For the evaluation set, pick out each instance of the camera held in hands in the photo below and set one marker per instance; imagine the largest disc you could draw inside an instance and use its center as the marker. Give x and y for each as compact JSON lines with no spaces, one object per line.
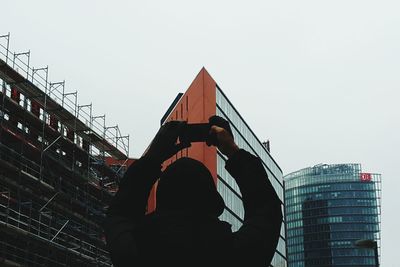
{"x":200,"y":132}
{"x":196,"y":132}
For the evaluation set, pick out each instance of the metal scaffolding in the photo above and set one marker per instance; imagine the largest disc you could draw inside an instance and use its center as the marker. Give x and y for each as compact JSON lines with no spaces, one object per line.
{"x":55,"y":185}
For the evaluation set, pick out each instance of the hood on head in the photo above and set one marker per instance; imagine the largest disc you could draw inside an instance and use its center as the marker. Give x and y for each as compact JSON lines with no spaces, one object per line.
{"x":187,"y":185}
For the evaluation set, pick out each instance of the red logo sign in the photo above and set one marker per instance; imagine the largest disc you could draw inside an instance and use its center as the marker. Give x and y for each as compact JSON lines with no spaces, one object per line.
{"x":365,"y":177}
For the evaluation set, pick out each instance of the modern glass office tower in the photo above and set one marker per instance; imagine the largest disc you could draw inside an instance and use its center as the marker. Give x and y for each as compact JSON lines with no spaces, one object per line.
{"x":329,"y":208}
{"x":203,"y":99}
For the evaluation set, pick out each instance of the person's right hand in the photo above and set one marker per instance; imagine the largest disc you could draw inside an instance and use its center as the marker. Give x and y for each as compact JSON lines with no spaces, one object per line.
{"x":164,"y":144}
{"x":226,"y":144}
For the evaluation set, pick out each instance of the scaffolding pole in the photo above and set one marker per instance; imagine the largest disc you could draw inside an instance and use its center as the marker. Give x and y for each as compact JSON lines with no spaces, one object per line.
{"x":3,"y":89}
{"x":59,"y":231}
{"x":28,"y":55}
{"x":89,"y":106}
{"x":90,"y":146}
{"x":7,"y":36}
{"x":118,"y":137}
{"x":75,"y":94}
{"x":125,"y":146}
{"x":120,"y":168}
{"x":34,"y":71}
{"x":8,"y":201}
{"x":103,"y":117}
{"x":40,"y":210}
{"x":55,"y":86}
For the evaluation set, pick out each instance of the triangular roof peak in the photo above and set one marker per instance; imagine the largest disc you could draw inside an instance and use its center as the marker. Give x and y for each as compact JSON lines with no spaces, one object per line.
{"x":204,"y":74}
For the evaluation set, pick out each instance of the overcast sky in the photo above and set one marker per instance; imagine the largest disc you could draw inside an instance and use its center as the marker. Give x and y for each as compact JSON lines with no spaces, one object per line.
{"x":319,"y":79}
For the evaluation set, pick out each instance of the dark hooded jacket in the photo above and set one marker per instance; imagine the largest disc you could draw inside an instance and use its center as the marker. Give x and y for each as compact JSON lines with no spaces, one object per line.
{"x":185,"y":229}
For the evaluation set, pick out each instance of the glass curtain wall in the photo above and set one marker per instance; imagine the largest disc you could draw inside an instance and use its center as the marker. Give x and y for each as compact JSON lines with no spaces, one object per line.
{"x":227,"y":186}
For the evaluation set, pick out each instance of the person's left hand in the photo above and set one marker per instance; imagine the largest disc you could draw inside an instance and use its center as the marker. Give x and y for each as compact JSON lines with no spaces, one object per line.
{"x":164,"y":144}
{"x":225,"y":143}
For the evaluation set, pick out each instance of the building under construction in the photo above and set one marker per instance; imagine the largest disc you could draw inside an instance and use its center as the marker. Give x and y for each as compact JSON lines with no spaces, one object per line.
{"x":55,"y":176}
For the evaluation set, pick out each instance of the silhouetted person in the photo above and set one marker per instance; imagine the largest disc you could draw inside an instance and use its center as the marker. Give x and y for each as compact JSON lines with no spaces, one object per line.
{"x":185,"y":230}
